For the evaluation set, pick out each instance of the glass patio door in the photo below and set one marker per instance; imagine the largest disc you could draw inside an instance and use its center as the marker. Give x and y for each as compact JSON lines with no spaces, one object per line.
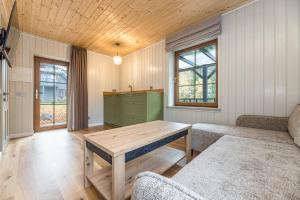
{"x":51,"y":83}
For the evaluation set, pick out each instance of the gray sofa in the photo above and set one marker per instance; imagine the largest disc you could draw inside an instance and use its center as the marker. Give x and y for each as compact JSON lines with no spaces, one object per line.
{"x":257,"y":159}
{"x":273,"y":129}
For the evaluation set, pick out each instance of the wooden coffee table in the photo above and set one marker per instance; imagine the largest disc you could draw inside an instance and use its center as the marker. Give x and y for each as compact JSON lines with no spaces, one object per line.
{"x":131,"y":150}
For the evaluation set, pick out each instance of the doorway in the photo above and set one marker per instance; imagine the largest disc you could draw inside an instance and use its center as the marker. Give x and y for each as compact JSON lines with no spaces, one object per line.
{"x":50,"y":94}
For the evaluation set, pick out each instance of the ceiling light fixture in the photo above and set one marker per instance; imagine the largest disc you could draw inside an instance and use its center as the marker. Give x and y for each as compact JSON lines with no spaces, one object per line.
{"x":117,"y":59}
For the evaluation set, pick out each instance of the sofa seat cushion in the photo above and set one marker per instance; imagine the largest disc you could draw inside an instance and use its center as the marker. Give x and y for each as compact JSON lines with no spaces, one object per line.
{"x":151,"y":186}
{"x":241,"y":168}
{"x":204,"y":134}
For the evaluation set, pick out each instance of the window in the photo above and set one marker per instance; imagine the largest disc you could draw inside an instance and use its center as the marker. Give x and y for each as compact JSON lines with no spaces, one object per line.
{"x":196,"y":71}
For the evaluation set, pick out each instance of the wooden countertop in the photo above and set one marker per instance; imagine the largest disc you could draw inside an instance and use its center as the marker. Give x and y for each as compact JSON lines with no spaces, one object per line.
{"x":132,"y":92}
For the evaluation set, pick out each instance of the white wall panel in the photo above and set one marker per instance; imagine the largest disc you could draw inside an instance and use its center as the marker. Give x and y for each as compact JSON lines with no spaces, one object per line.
{"x":293,"y":52}
{"x":21,"y":79}
{"x":102,"y":75}
{"x":280,"y":57}
{"x":258,"y":59}
{"x":144,"y":68}
{"x":269,"y":55}
{"x":259,"y":66}
{"x":249,"y":61}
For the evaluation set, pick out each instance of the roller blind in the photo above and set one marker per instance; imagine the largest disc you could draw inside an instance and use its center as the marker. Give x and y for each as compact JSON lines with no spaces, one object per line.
{"x":194,"y":35}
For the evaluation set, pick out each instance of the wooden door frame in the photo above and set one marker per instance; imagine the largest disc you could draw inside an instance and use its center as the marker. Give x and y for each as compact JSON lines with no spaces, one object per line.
{"x":36,"y":107}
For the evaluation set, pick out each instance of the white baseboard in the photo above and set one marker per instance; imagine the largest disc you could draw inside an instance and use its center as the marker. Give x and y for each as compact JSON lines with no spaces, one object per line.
{"x":95,"y":124}
{"x":19,"y":135}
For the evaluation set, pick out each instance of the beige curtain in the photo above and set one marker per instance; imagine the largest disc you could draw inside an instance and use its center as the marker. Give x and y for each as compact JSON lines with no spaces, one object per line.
{"x":77,"y":90}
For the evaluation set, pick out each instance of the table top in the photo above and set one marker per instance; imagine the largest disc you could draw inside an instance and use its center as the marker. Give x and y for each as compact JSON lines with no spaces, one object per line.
{"x":122,"y":140}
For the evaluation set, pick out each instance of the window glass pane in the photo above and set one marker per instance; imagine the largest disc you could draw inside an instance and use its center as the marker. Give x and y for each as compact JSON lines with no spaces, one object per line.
{"x":202,"y":59}
{"x":187,"y":60}
{"x":199,"y":77}
{"x":211,"y":74}
{"x":60,"y":93}
{"x":60,"y":114}
{"x":199,"y":93}
{"x":206,"y":55}
{"x":53,"y":93}
{"x":46,"y":115}
{"x":61,"y":74}
{"x":47,"y":72}
{"x":46,"y":93}
{"x":212,"y":79}
{"x":186,"y":78}
{"x":211,"y":49}
{"x":187,"y":94}
{"x":197,"y":74}
{"x":211,"y":92}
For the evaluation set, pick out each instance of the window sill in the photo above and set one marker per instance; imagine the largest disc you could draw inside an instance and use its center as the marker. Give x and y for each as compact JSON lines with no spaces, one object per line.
{"x":194,"y":108}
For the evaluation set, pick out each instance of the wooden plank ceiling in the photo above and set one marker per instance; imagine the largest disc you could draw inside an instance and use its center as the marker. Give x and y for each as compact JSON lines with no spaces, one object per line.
{"x":5,"y":7}
{"x":98,"y":24}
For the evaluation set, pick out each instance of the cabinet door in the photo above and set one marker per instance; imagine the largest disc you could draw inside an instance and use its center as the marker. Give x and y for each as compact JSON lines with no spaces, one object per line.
{"x":112,"y":109}
{"x":154,"y":106}
{"x":108,"y":109}
{"x":133,"y":108}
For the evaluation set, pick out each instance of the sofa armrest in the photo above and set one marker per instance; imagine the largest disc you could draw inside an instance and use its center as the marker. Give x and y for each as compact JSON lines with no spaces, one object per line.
{"x":151,"y":186}
{"x":263,"y":122}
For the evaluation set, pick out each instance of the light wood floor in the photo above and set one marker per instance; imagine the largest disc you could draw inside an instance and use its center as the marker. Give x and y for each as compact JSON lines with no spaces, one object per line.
{"x":49,"y":166}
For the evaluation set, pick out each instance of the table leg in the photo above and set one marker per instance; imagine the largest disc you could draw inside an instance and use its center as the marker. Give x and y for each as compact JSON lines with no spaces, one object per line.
{"x":118,"y":177}
{"x":188,"y":149}
{"x":88,"y":165}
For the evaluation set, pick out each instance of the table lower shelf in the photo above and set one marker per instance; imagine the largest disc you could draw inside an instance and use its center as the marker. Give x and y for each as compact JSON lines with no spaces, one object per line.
{"x":158,"y":161}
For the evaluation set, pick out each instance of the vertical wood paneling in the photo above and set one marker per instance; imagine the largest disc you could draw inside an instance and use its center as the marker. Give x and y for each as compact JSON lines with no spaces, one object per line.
{"x":249,"y":61}
{"x":21,"y":79}
{"x":102,"y":75}
{"x":144,"y":68}
{"x":240,"y":62}
{"x":259,"y":66}
{"x":293,"y":53}
{"x":269,"y":56}
{"x":224,"y":61}
{"x":258,"y":59}
{"x":280,"y":57}
{"x":232,"y":68}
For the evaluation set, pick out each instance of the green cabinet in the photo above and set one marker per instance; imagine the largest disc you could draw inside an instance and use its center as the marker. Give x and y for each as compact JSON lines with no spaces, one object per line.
{"x":111,"y":109}
{"x":123,"y":109}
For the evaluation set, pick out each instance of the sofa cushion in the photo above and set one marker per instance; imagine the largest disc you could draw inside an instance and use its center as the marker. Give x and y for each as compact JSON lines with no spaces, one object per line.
{"x":151,"y":186}
{"x":263,"y":122}
{"x":242,"y":168}
{"x":294,"y":124}
{"x":204,"y":135}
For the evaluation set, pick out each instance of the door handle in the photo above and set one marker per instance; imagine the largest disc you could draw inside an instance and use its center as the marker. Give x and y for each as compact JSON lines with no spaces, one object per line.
{"x":36,"y":94}
{"x":5,"y":96}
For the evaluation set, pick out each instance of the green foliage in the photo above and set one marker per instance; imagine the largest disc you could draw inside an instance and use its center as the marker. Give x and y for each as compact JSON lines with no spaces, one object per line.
{"x":191,"y":85}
